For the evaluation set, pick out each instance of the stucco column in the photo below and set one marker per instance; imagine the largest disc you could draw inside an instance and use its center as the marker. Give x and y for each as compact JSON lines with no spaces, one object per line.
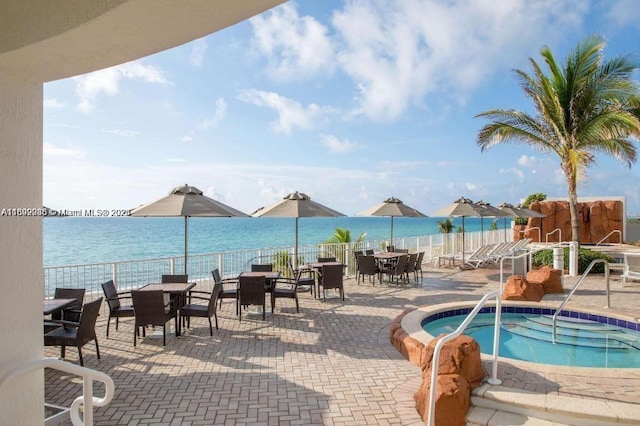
{"x":21,"y":272}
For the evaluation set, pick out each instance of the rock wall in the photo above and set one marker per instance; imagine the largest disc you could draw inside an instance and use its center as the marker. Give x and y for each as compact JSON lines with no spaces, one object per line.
{"x":597,"y":219}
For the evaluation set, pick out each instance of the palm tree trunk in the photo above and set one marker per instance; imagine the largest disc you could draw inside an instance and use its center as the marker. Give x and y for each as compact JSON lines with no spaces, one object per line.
{"x":573,"y":210}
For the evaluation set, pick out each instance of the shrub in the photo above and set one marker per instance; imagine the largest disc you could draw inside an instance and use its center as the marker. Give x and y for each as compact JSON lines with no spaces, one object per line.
{"x":585,"y":257}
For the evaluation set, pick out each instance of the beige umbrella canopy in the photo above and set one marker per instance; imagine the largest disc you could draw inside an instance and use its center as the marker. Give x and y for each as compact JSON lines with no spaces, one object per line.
{"x":392,"y":207}
{"x":186,"y":201}
{"x":517,"y":211}
{"x":462,"y":207}
{"x":296,"y":205}
{"x":491,"y":211}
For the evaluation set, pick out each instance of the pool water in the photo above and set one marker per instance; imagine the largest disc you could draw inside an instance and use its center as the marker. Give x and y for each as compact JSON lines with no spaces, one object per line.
{"x":528,"y":337}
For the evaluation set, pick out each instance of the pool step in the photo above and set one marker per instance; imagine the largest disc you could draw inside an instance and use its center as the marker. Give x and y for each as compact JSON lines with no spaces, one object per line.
{"x":566,"y":338}
{"x":500,"y":405}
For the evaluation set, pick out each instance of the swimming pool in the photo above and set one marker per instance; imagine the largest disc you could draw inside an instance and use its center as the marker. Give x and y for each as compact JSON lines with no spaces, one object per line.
{"x":583,"y":339}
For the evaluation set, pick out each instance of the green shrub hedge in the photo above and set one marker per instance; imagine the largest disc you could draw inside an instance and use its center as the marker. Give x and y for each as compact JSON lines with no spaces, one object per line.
{"x":585,"y":257}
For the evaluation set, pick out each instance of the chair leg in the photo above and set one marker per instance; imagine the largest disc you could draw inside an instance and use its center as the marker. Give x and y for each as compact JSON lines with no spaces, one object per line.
{"x":210,"y":327}
{"x":62,"y":351}
{"x":135,"y":334}
{"x":108,"y":322}
{"x":164,"y":334}
{"x":215,"y":315}
{"x":297,"y":305}
{"x":97,"y":348}
{"x":117,"y":322}
{"x":80,"y":356}
{"x":273,"y":302}
{"x":264,"y":313}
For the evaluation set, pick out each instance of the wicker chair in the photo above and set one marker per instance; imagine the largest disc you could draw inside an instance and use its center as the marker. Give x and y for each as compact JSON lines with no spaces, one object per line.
{"x":326,"y":259}
{"x":369,"y":252}
{"x":367,"y":265}
{"x":410,"y":266}
{"x":396,"y":270}
{"x":72,"y":312}
{"x":285,"y":288}
{"x":201,"y":310}
{"x":76,"y":334}
{"x":391,"y":248}
{"x":331,"y":278}
{"x":229,"y":288}
{"x":150,"y":309}
{"x":418,"y":267}
{"x":116,"y":309}
{"x":305,"y":277}
{"x":251,"y":292}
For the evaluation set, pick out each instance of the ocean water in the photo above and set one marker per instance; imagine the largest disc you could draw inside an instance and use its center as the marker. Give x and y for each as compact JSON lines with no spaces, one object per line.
{"x":80,"y":240}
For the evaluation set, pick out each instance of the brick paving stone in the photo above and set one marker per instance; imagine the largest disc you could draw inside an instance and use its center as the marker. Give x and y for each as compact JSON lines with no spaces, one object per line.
{"x":330,"y":364}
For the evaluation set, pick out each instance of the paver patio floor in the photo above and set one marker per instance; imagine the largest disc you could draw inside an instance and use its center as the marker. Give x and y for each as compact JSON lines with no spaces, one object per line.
{"x":330,"y":364}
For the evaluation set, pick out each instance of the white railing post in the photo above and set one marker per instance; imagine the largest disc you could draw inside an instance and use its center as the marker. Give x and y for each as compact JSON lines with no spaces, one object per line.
{"x":436,"y":351}
{"x":573,"y":259}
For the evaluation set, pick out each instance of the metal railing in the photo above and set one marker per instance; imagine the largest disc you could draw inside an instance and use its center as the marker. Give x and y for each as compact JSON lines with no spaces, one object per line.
{"x":436,"y":351}
{"x":528,"y":253}
{"x":610,"y":234}
{"x":531,"y":229}
{"x":546,"y":237}
{"x":566,"y":299}
{"x":87,"y":400}
{"x":132,"y":274}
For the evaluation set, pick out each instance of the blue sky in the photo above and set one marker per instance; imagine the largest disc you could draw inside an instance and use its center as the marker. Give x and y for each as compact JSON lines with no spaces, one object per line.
{"x":350,"y":102}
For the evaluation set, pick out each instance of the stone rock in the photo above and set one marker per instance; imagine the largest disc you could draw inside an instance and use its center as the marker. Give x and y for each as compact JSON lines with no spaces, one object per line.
{"x":518,"y":288}
{"x":597,"y":219}
{"x":550,"y":279}
{"x":460,"y":370}
{"x":518,"y":233}
{"x":453,"y":397}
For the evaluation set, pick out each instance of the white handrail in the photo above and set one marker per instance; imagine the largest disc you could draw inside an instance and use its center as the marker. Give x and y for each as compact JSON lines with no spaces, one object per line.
{"x":436,"y":351}
{"x":566,"y":299}
{"x":88,"y":375}
{"x":610,"y":234}
{"x":530,"y":229}
{"x":546,"y":237}
{"x":527,"y":253}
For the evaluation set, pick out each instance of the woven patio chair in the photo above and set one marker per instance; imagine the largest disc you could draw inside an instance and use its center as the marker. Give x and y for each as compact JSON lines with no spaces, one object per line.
{"x":306,"y":277}
{"x":150,"y":309}
{"x":72,"y":312}
{"x":285,"y":287}
{"x":251,"y":292}
{"x":418,"y":267}
{"x":116,"y":308}
{"x":331,"y":278}
{"x":396,"y":270}
{"x":367,"y":265}
{"x":229,"y":288}
{"x":200,"y":310}
{"x":410,"y":266}
{"x":76,"y":334}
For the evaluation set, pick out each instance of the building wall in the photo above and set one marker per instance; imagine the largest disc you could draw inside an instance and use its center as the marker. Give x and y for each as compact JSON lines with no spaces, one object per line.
{"x":39,"y":42}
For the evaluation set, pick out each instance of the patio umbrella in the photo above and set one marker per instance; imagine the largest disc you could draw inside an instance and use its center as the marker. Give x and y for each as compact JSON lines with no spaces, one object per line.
{"x":296,"y":205}
{"x":392,"y":207}
{"x":186,"y":201}
{"x":488,"y":210}
{"x":462,"y":207}
{"x":512,"y":211}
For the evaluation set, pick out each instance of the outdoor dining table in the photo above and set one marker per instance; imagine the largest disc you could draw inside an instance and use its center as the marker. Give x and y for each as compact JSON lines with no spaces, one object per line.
{"x":54,"y":305}
{"x":179,"y":290}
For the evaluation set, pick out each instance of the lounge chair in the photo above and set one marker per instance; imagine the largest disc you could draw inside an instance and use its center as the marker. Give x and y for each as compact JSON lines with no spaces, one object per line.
{"x":631,"y":268}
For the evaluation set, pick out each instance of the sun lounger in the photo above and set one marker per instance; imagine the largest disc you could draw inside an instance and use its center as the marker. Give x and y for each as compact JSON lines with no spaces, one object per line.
{"x":631,"y":268}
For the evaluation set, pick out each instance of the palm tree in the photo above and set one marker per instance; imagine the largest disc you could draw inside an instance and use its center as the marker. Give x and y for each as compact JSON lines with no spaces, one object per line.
{"x":445,"y":226}
{"x":343,"y":235}
{"x":589,"y":106}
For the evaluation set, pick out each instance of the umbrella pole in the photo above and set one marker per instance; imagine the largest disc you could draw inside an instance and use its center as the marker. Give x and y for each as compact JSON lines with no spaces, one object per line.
{"x":391,"y":241}
{"x":463,"y":232}
{"x":505,"y":229}
{"x":295,"y":250}
{"x":186,"y":241}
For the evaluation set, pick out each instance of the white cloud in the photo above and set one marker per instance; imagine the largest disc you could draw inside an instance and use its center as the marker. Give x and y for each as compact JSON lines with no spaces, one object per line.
{"x":125,"y":133}
{"x":197,"y":52}
{"x":295,"y":46}
{"x":187,"y":138}
{"x":398,"y":52}
{"x":218,"y":116}
{"x":291,"y":114}
{"x":51,"y":151}
{"x":338,"y":146}
{"x":517,"y":172}
{"x":528,"y":161}
{"x":623,"y":13}
{"x":53,"y":103}
{"x":107,"y":81}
